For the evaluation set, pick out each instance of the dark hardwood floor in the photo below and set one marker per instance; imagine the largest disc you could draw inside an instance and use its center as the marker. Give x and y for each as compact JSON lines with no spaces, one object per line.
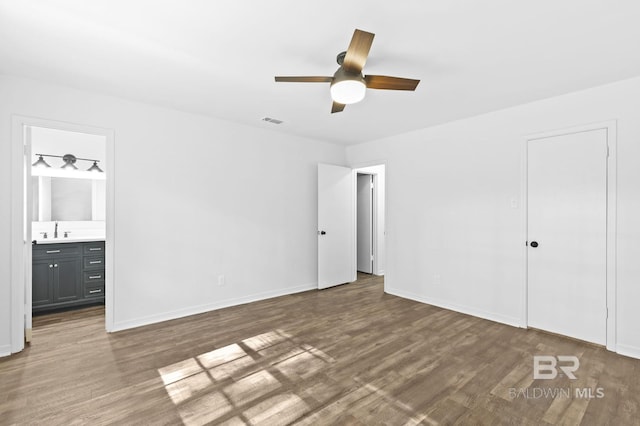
{"x":347,"y":355}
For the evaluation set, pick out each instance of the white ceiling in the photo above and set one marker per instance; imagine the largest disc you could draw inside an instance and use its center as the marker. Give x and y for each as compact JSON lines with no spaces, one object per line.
{"x":219,"y":57}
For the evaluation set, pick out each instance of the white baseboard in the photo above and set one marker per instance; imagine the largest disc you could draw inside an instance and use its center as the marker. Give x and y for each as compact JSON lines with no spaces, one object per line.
{"x":5,"y":350}
{"x":199,"y":309}
{"x":491,"y":316}
{"x":630,"y":351}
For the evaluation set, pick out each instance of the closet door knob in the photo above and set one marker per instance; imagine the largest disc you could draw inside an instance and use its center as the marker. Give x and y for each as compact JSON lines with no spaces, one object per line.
{"x":534,"y":244}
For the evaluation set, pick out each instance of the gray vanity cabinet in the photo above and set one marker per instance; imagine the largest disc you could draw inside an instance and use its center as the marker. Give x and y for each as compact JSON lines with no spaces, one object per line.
{"x":67,"y":274}
{"x":66,"y":280}
{"x":42,"y":289}
{"x":93,"y":270}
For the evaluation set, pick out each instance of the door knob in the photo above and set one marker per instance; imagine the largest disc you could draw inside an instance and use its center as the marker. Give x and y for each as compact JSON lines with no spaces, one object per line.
{"x":322,"y":233}
{"x":534,"y":244}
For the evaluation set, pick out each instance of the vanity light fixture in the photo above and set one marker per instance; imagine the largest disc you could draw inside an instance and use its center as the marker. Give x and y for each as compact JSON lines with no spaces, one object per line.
{"x":69,"y":162}
{"x":95,"y":167}
{"x":40,"y":162}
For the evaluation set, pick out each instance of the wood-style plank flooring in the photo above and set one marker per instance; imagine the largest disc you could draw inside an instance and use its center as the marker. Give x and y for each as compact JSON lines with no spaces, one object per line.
{"x":349,"y":355}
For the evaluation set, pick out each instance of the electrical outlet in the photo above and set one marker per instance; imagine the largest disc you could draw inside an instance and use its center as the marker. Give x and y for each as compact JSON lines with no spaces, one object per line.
{"x":220,"y":280}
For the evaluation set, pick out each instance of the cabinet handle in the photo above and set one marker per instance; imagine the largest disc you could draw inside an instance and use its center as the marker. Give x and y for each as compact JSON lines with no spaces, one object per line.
{"x":55,"y":265}
{"x":95,"y":248}
{"x":94,"y":277}
{"x":95,"y":291}
{"x":50,"y":266}
{"x":93,"y":262}
{"x":53,"y":251}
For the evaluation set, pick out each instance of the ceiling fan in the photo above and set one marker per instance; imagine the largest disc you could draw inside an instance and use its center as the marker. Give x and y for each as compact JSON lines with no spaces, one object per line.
{"x":348,"y":85}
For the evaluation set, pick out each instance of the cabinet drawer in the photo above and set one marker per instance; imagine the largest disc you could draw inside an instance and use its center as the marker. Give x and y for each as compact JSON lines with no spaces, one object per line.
{"x":94,"y":291}
{"x":93,"y":262}
{"x":92,"y":248}
{"x":94,"y":276}
{"x":55,"y":250}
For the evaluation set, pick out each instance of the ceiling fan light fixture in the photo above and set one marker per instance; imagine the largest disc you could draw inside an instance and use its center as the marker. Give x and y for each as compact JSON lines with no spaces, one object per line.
{"x":347,"y":88}
{"x":348,"y":91}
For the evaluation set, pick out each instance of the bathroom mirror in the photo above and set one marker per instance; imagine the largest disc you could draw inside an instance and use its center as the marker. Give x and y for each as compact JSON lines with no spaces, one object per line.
{"x":67,"y":199}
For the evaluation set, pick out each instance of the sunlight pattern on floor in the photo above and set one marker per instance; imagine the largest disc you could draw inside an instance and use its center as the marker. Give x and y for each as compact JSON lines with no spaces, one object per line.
{"x":239,"y":383}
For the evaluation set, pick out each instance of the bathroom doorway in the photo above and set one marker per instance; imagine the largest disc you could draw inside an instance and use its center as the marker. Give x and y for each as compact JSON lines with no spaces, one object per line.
{"x":68,"y":214}
{"x":66,"y":244}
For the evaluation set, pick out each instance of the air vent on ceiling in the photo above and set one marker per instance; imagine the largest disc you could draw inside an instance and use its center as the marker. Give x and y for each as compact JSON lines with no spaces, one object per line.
{"x":272,"y":120}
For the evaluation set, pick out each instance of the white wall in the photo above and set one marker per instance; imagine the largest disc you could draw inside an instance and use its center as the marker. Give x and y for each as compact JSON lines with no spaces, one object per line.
{"x":195,"y":198}
{"x":453,"y":238}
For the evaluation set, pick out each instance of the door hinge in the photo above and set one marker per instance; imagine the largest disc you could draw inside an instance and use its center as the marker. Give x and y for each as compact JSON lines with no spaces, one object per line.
{"x":371,"y":185}
{"x":372,"y":258}
{"x":607,"y":309}
{"x":607,"y":150}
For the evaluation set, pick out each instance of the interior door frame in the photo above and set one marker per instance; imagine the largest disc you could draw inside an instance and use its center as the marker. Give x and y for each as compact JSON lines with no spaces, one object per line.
{"x":379,"y":232}
{"x":611,"y":281}
{"x":21,"y":268}
{"x":373,"y":213}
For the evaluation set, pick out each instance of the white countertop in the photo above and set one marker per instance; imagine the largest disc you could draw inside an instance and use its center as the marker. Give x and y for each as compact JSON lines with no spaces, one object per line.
{"x":69,"y":240}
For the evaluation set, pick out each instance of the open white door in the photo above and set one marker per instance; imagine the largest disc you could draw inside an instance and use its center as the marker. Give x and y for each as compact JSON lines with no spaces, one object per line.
{"x":28,"y":213}
{"x":335,"y":225}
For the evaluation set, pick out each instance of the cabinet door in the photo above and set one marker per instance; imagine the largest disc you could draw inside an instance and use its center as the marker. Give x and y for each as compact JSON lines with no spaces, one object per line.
{"x":67,"y":280}
{"x":42,"y":282}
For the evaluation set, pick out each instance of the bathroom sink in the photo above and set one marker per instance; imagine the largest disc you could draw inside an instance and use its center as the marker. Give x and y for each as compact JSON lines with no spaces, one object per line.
{"x":80,"y":239}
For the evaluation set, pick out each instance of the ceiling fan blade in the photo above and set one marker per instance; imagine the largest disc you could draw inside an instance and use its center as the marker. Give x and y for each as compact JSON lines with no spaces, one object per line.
{"x":310,"y":79}
{"x":358,"y":51}
{"x":390,"y":83}
{"x":336,"y":107}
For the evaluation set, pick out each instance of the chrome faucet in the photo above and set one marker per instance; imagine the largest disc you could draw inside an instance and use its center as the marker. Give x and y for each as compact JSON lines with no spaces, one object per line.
{"x":55,"y":231}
